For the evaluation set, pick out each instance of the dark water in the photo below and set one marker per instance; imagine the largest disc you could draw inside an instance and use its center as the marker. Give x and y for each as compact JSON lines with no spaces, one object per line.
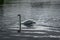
{"x":47,"y":22}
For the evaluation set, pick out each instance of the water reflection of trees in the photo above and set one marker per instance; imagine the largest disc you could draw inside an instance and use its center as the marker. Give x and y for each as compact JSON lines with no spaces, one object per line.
{"x":1,"y":16}
{"x":40,"y":4}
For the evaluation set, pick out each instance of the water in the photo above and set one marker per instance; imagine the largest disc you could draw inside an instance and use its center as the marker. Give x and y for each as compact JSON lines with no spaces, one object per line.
{"x":47,"y":21}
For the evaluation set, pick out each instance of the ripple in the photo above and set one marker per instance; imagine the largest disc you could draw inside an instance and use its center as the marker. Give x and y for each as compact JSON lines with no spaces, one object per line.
{"x":36,"y":32}
{"x":6,"y":37}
